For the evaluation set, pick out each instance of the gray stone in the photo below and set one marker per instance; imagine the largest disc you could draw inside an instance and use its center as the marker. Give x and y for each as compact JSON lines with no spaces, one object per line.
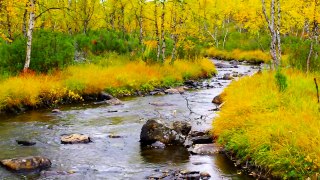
{"x":182,"y":127}
{"x":155,"y":130}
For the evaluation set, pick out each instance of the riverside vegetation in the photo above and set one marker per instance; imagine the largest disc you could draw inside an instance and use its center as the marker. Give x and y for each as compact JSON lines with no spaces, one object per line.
{"x":70,"y":49}
{"x":277,"y":130}
{"x":71,"y":84}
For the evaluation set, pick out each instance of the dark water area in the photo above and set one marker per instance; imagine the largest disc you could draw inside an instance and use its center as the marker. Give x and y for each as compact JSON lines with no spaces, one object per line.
{"x":116,"y":158}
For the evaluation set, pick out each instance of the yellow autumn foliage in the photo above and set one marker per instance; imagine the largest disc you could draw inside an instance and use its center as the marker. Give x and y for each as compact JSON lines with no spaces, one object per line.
{"x":273,"y":129}
{"x":253,"y":56}
{"x":118,"y":78}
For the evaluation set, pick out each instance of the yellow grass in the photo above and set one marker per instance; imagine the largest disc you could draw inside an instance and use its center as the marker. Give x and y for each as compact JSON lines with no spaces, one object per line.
{"x":276,"y":130}
{"x":255,"y":56}
{"x":118,"y":77}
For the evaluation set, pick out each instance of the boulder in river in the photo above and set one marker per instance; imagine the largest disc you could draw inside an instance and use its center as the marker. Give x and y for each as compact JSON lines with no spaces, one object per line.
{"x":25,"y":142}
{"x":181,"y":127}
{"x":217,"y":100}
{"x":160,"y":104}
{"x":33,"y":163}
{"x":155,"y":130}
{"x":75,"y":139}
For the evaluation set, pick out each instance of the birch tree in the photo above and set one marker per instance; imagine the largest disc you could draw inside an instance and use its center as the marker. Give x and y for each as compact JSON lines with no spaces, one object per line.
{"x":274,"y":24}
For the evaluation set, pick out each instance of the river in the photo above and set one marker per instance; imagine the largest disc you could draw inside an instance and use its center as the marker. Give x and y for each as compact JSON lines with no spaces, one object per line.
{"x":116,"y":158}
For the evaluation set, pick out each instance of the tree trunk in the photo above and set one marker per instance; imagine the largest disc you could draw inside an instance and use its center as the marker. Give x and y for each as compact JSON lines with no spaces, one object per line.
{"x":29,"y":34}
{"x":225,"y":37}
{"x":274,"y":30}
{"x":163,"y":40}
{"x":174,"y":33}
{"x":9,"y":26}
{"x":309,"y":56}
{"x":157,"y":30}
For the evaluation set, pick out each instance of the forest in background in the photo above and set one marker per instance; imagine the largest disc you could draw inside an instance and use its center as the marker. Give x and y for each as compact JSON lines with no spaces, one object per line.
{"x":64,"y":32}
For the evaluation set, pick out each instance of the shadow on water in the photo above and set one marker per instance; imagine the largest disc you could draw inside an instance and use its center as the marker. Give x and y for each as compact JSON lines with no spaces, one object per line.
{"x":170,"y":154}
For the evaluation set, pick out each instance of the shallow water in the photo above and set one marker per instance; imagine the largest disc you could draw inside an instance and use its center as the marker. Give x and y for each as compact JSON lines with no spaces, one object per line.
{"x":115,"y":158}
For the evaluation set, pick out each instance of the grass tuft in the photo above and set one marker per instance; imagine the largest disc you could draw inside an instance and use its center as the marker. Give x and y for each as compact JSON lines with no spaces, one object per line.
{"x":278,"y":130}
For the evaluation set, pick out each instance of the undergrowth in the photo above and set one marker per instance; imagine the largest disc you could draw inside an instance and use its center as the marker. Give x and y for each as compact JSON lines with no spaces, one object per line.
{"x":252,"y":56}
{"x":278,"y":130}
{"x":116,"y":75}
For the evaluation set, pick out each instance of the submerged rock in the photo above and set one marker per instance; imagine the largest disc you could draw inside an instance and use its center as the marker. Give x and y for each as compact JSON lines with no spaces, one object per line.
{"x":160,"y":104}
{"x":155,"y":130}
{"x":33,"y":163}
{"x":56,"y":111}
{"x":157,"y":92}
{"x":25,"y":142}
{"x":172,"y":91}
{"x":217,"y":100}
{"x":227,"y":76}
{"x":221,"y":65}
{"x":75,"y":139}
{"x":205,"y":149}
{"x":111,"y":136}
{"x":113,"y":101}
{"x":234,"y":62}
{"x":103,"y":96}
{"x":205,"y":175}
{"x":191,"y":83}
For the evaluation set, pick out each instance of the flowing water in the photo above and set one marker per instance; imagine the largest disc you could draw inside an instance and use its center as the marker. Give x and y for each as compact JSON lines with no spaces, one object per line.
{"x":116,"y":158}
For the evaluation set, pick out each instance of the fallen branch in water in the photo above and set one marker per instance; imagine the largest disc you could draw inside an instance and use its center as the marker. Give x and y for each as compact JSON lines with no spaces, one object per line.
{"x":188,"y":104}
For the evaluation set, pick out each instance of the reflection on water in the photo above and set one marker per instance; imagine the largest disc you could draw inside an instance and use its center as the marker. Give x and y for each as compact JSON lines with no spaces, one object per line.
{"x":176,"y":155}
{"x":112,"y":158}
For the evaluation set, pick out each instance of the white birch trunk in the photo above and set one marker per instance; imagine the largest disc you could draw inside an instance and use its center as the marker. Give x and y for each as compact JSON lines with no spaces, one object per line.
{"x":29,"y":34}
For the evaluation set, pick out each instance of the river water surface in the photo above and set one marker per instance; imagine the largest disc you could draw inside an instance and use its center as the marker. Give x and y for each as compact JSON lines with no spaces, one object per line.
{"x":116,"y":158}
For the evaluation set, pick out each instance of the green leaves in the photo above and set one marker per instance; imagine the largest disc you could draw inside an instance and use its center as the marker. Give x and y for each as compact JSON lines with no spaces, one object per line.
{"x":281,"y":81}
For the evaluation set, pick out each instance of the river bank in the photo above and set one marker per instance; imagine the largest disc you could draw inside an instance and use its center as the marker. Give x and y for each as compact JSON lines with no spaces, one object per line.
{"x":277,"y":131}
{"x":116,"y":76}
